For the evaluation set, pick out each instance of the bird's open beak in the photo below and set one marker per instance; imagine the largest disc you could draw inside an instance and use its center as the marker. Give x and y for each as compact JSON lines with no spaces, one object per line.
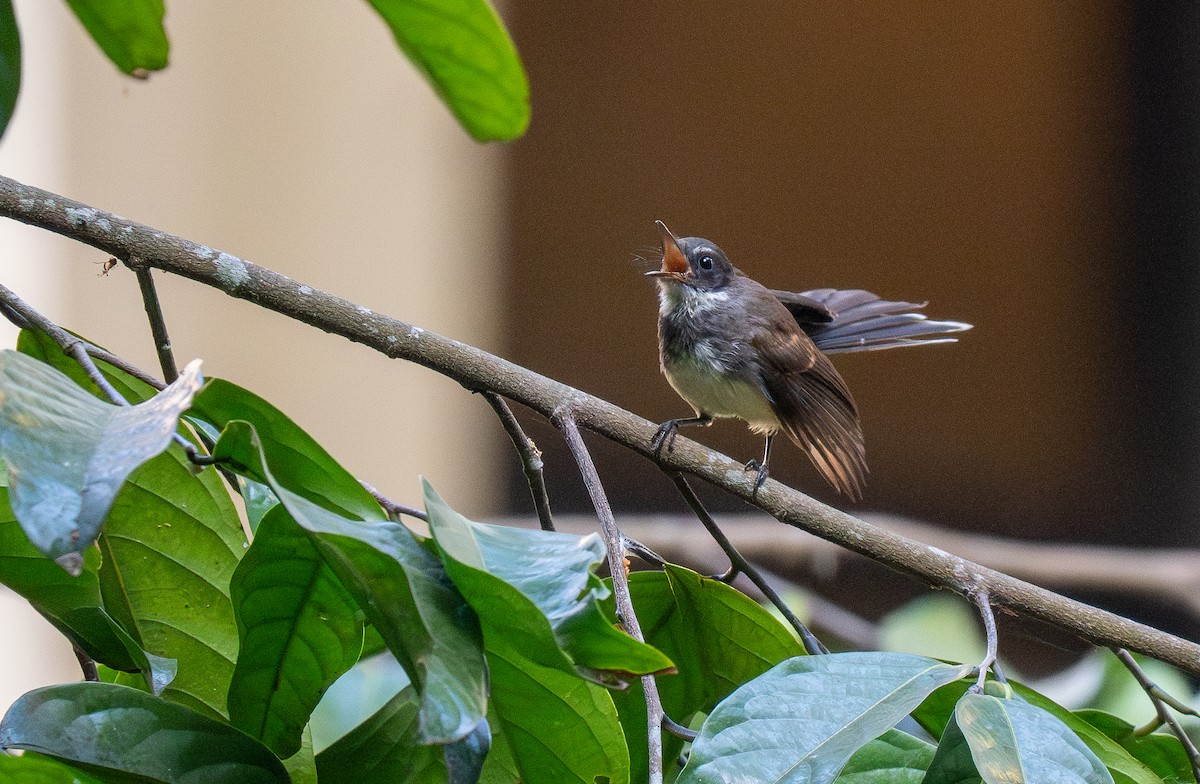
{"x":674,"y":265}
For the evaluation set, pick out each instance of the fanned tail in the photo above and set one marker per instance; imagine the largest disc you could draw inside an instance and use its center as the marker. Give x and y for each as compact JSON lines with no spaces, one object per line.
{"x":861,"y":321}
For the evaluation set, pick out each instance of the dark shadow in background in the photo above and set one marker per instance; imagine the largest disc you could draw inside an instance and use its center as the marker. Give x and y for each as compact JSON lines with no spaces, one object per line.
{"x":1031,"y":168}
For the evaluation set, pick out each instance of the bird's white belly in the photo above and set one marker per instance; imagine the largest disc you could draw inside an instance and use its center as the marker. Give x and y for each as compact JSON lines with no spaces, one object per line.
{"x":719,"y":394}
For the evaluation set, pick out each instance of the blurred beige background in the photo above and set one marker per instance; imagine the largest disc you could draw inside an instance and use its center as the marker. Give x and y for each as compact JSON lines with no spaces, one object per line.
{"x":305,"y":142}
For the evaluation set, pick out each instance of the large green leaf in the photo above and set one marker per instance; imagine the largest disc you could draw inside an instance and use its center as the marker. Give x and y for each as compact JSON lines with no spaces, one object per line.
{"x":893,"y":758}
{"x":68,"y":454}
{"x":397,"y":582}
{"x":558,"y":726}
{"x":130,"y":32}
{"x":296,"y":459}
{"x":299,"y":631}
{"x":802,"y":720}
{"x":718,"y":638}
{"x":33,"y":768}
{"x":538,"y":591}
{"x":10,"y":63}
{"x":387,"y":749}
{"x":465,"y":52}
{"x":170,"y":546}
{"x":1011,"y":740}
{"x":115,"y":728}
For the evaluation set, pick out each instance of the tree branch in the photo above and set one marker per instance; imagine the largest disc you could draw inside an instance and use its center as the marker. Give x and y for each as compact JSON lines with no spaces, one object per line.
{"x":478,"y":370}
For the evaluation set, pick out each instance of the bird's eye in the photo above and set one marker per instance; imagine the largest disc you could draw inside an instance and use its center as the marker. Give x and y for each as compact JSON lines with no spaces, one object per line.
{"x":706,"y":262}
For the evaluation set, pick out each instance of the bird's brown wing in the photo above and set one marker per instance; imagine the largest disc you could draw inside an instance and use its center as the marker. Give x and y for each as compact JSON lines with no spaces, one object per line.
{"x":814,"y":406}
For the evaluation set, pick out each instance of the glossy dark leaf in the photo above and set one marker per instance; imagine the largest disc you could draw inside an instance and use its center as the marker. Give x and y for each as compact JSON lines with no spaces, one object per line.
{"x":299,"y":631}
{"x":537,"y":590}
{"x":401,"y":586}
{"x":465,"y":52}
{"x":68,"y":454}
{"x":129,"y":32}
{"x":115,"y":728}
{"x":10,"y":63}
{"x":805,"y":718}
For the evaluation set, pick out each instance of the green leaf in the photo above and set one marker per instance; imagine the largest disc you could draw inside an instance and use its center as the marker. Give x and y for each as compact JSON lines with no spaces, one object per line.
{"x":68,"y":454}
{"x":302,"y":766}
{"x":115,"y":728}
{"x":1161,"y":752}
{"x":938,"y":710}
{"x":557,"y":726}
{"x":398,"y":583}
{"x":1011,"y":740}
{"x":537,"y":591}
{"x":170,"y":546}
{"x":10,"y":63}
{"x":387,"y":748}
{"x":893,"y":758}
{"x":39,"y":345}
{"x":953,"y":763}
{"x":465,"y":52}
{"x":718,"y":638}
{"x":296,"y":459}
{"x":805,"y":718}
{"x":1124,"y":768}
{"x":299,"y":631}
{"x":32,"y":768}
{"x":130,"y":32}
{"x":72,"y":604}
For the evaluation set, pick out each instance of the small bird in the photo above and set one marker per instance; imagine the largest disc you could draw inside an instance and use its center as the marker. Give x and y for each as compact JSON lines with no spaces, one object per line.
{"x":733,"y":348}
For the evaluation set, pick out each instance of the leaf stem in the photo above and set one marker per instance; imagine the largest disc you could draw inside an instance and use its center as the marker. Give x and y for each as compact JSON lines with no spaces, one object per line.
{"x":531,"y":458}
{"x":158,"y":324}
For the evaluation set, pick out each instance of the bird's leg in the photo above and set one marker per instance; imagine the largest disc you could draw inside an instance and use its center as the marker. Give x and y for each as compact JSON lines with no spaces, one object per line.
{"x":667,"y":431}
{"x":754,"y":465}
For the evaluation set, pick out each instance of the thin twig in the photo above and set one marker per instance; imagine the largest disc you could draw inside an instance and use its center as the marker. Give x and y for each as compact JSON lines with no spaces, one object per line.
{"x":811,"y":643}
{"x":531,"y":458}
{"x":984,"y":605}
{"x":26,"y":316}
{"x":616,"y":565}
{"x":87,"y":664}
{"x":1160,"y":699}
{"x":678,"y":730}
{"x":393,"y":508}
{"x":642,"y":551}
{"x":478,"y":370}
{"x":158,"y":324}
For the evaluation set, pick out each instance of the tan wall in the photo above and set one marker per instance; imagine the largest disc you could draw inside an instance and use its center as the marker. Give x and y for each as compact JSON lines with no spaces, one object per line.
{"x":305,"y":142}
